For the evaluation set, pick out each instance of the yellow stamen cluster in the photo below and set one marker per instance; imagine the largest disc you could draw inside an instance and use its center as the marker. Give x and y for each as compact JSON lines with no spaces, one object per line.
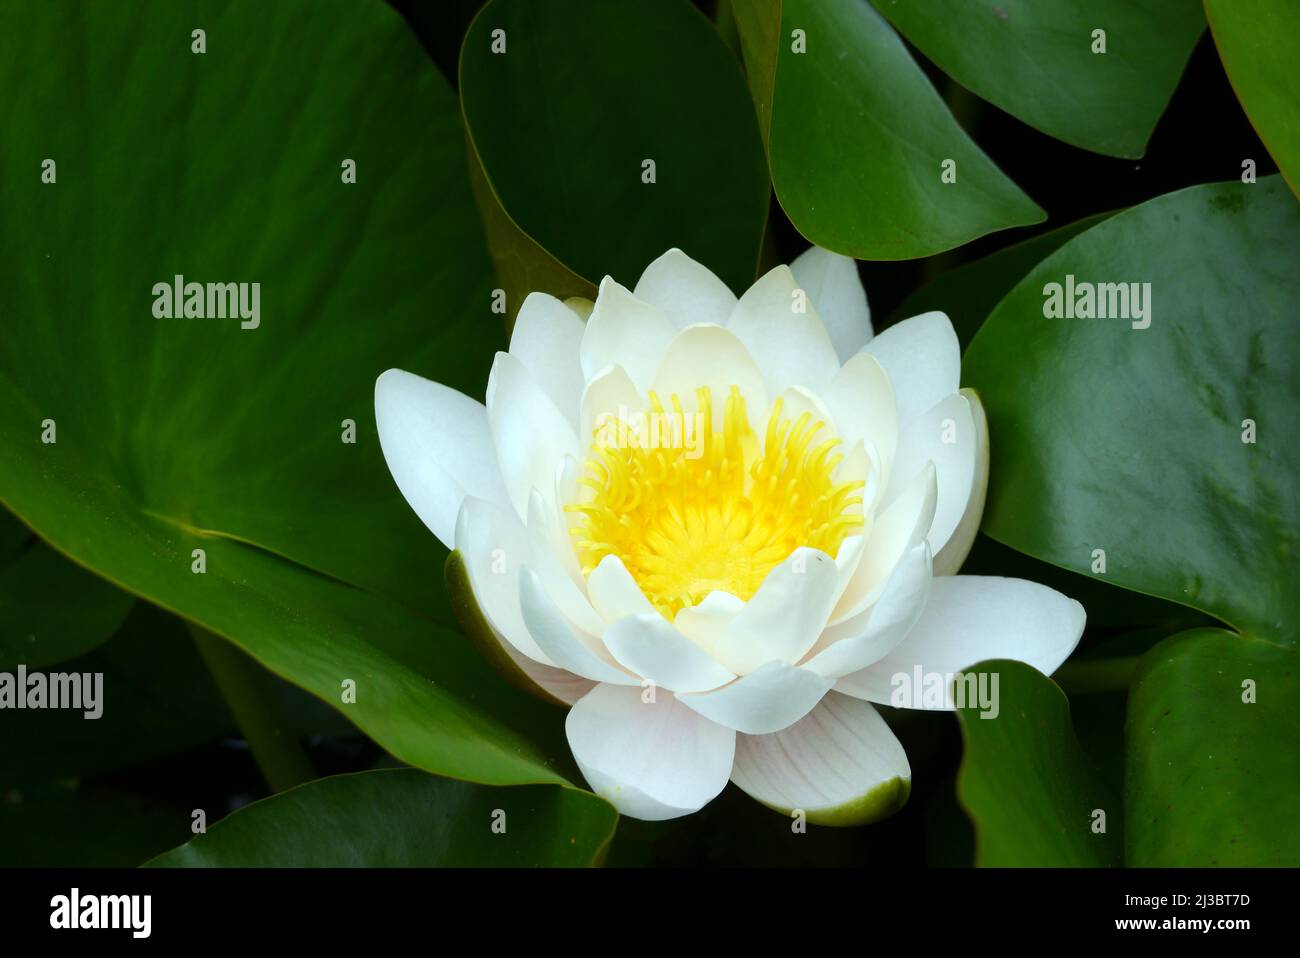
{"x":715,"y":512}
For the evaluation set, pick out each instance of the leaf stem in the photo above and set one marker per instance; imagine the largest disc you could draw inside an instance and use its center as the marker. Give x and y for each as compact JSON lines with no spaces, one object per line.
{"x":242,"y":682}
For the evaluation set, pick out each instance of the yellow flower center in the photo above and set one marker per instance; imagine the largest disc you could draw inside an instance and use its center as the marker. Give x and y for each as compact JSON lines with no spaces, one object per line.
{"x":690,"y":508}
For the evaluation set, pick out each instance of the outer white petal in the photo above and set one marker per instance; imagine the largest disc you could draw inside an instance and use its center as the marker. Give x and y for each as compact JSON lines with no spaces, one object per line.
{"x":546,"y":559}
{"x":923,"y":360}
{"x":767,"y":700}
{"x":581,"y":306}
{"x":886,"y":624}
{"x":494,"y":547}
{"x":840,"y":764}
{"x":705,"y":623}
{"x":948,"y":560}
{"x":785,"y":615}
{"x":835,"y":288}
{"x":897,"y":530}
{"x":546,"y":339}
{"x":653,"y":761}
{"x":560,"y":684}
{"x":861,"y":399}
{"x":565,"y":647}
{"x":649,"y":646}
{"x":971,"y":618}
{"x":791,"y":347}
{"x":622,"y":330}
{"x":926,"y":440}
{"x":712,"y":356}
{"x":438,"y":447}
{"x":686,"y":291}
{"x":530,"y":434}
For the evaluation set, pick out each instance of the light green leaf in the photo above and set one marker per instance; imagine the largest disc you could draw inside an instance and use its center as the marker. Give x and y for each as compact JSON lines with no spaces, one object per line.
{"x":405,"y":818}
{"x":1257,"y":43}
{"x":857,"y":138}
{"x":1130,"y":440}
{"x":1212,"y":779}
{"x":1043,"y":62}
{"x":1033,"y":793}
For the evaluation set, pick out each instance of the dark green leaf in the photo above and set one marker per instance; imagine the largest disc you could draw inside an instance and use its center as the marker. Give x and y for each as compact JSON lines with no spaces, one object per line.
{"x":52,"y":610}
{"x":584,"y":93}
{"x":1038,"y":62}
{"x":61,"y":827}
{"x":968,"y":293}
{"x":178,"y":434}
{"x":1130,"y":440}
{"x":857,"y":137}
{"x":404,"y":818}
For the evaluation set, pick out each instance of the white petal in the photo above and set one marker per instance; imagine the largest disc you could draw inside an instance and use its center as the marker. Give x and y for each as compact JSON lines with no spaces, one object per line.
{"x":884,"y":626}
{"x":705,"y":623}
{"x":529,"y":432}
{"x":767,"y":700}
{"x":835,"y":288}
{"x":897,"y":530}
{"x":861,"y":399}
{"x":946,"y":436}
{"x":494,"y":547}
{"x":613,"y":591}
{"x":546,"y":339}
{"x":971,"y":618}
{"x":797,"y":400}
{"x":567,"y":648}
{"x":847,"y":560}
{"x":649,"y":646}
{"x":787,"y":613}
{"x":714,"y":357}
{"x":624,"y":331}
{"x":609,"y":398}
{"x":790,"y":346}
{"x":923,"y":360}
{"x":438,"y":447}
{"x":840,"y":764}
{"x":546,"y":559}
{"x":687,"y":292}
{"x":948,"y":560}
{"x":653,"y":761}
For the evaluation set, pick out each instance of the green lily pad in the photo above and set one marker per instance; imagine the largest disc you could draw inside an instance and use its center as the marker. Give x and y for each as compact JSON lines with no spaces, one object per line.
{"x":1257,"y":43}
{"x":1034,"y":795}
{"x":405,"y":818}
{"x":858,"y":140}
{"x":1212,"y":778}
{"x":230,"y":436}
{"x":1045,"y":64}
{"x":1132,"y":446}
{"x":566,"y":103}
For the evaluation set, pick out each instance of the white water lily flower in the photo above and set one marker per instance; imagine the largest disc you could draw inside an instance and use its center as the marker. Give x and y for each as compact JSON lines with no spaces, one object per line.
{"x":721,"y":596}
